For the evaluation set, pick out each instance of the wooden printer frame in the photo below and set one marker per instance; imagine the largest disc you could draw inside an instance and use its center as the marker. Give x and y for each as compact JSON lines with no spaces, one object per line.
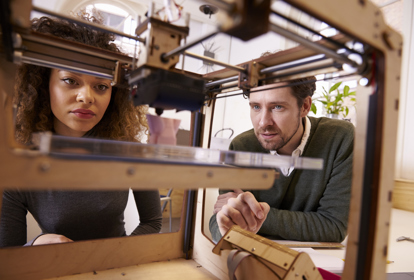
{"x":373,"y":169}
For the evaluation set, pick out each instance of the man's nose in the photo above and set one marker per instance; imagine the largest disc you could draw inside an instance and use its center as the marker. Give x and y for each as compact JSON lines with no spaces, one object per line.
{"x":85,"y":95}
{"x":265,"y":119}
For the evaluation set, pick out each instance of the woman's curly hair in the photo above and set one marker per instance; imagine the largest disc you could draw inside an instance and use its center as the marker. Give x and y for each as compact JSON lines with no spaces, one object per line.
{"x":121,"y":121}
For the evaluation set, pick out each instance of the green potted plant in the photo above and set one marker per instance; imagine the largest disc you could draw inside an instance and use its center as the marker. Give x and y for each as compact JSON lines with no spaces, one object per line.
{"x":333,"y":102}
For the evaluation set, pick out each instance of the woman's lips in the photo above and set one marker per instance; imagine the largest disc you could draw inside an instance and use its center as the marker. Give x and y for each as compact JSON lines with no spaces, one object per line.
{"x":83,"y":113}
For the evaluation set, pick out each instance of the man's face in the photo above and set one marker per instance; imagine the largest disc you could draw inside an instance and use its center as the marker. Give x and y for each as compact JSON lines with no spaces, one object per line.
{"x":276,"y":119}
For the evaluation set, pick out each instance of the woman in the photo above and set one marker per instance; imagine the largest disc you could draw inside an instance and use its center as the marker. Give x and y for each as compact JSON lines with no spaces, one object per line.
{"x":77,"y":105}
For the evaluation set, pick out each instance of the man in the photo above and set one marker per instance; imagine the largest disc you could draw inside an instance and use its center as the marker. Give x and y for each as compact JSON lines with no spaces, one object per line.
{"x":303,"y":205}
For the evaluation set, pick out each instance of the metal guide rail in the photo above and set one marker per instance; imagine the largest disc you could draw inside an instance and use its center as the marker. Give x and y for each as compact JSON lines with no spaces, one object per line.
{"x":160,"y":48}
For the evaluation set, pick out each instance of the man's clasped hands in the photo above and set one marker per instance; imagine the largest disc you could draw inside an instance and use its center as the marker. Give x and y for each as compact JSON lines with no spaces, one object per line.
{"x":242,"y":209}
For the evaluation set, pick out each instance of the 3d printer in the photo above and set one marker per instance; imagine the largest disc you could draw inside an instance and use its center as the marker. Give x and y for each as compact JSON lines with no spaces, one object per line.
{"x":155,"y":81}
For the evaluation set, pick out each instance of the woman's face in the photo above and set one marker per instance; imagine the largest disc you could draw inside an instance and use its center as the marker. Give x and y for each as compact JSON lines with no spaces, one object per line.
{"x":78,"y":101}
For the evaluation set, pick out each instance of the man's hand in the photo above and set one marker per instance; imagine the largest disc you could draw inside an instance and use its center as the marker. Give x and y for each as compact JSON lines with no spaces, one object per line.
{"x":51,"y":238}
{"x":223,"y":198}
{"x":244,"y":211}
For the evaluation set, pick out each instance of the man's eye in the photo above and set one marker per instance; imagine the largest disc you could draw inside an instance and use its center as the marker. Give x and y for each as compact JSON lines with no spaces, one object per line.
{"x":102,"y":87}
{"x":278,"y":107}
{"x":69,"y":81}
{"x":256,"y":107}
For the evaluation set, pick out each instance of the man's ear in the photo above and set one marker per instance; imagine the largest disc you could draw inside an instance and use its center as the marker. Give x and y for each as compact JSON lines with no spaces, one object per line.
{"x":306,"y":106}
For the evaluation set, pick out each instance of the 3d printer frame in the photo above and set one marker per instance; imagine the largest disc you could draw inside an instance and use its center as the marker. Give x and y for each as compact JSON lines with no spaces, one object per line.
{"x":373,"y":161}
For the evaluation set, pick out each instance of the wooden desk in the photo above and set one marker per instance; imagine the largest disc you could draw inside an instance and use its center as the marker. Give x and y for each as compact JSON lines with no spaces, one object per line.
{"x":401,"y":254}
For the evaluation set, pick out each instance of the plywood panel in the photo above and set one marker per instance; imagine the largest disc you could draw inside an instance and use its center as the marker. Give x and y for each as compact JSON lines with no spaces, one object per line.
{"x":171,"y":269}
{"x":403,"y":195}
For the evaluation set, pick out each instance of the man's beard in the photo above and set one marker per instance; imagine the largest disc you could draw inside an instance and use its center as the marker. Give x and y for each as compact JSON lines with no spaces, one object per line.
{"x":280,"y":142}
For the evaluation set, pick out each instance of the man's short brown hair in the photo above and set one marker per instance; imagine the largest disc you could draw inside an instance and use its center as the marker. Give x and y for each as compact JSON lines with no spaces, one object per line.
{"x":301,"y":88}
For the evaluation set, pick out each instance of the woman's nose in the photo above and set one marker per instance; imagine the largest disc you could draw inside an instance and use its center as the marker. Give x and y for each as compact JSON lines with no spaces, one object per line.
{"x":85,"y":95}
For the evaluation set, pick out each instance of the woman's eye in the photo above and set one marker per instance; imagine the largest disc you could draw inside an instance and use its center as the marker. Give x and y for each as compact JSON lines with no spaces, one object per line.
{"x":102,"y":87}
{"x":69,"y":81}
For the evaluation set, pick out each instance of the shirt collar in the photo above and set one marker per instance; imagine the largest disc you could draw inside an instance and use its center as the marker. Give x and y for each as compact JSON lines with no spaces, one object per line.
{"x":299,"y":150}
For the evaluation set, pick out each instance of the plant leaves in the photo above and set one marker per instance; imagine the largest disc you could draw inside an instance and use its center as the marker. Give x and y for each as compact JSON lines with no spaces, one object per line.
{"x":335,"y":86}
{"x":333,"y":101}
{"x":313,"y":108}
{"x":346,"y":90}
{"x":338,"y":97}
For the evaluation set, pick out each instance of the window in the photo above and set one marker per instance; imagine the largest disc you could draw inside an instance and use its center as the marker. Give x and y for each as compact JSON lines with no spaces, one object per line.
{"x":119,"y":19}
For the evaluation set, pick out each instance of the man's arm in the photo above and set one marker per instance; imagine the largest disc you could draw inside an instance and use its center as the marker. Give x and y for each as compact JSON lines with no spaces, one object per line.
{"x":327,"y":221}
{"x":244,"y":211}
{"x":324,"y":196}
{"x":225,"y":195}
{"x":237,"y":208}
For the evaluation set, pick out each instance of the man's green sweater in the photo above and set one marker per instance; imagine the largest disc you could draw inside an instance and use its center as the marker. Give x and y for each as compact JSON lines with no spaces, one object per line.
{"x":308,"y":205}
